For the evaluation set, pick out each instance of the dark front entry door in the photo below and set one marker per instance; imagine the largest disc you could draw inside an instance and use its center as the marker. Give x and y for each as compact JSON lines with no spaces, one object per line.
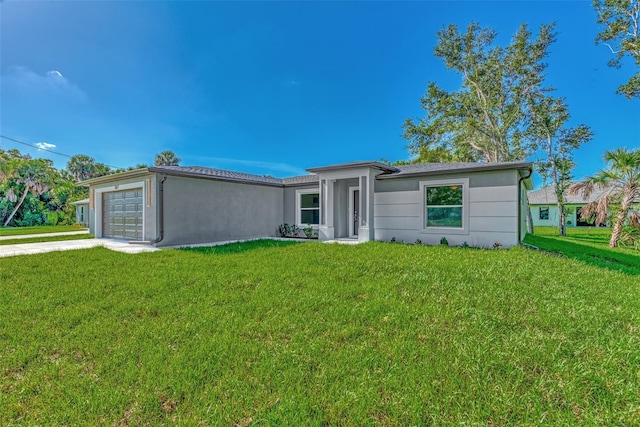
{"x":356,"y":208}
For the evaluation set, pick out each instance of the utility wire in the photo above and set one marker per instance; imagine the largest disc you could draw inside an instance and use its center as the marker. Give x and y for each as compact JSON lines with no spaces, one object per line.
{"x":46,"y":149}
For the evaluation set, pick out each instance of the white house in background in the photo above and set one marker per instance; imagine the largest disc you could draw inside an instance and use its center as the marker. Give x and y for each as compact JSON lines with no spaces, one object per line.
{"x":545,"y":211}
{"x":82,"y":212}
{"x":480,"y":204}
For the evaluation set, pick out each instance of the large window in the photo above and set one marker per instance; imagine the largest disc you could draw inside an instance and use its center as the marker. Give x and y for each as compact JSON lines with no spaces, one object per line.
{"x":444,"y":206}
{"x":544,"y":213}
{"x":308,"y":207}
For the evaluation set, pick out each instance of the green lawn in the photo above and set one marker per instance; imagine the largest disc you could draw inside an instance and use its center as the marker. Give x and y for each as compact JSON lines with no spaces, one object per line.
{"x":315,"y":334}
{"x":589,"y":245}
{"x":18,"y":231}
{"x":45,"y":239}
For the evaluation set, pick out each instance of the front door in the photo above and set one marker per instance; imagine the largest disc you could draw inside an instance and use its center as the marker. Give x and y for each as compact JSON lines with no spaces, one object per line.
{"x":354,"y":208}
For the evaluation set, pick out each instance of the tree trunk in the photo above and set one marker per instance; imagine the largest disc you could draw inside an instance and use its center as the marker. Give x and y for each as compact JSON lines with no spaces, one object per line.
{"x":617,"y":226}
{"x":561,"y":220}
{"x":24,"y":195}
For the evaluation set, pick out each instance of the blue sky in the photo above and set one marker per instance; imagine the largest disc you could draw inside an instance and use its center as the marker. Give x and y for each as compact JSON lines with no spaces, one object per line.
{"x":269,"y":87}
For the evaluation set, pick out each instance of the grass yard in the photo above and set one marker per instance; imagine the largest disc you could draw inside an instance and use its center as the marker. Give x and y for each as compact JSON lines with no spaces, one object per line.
{"x":41,"y":229}
{"x":317,"y":334}
{"x":589,"y":245}
{"x":241,"y":246}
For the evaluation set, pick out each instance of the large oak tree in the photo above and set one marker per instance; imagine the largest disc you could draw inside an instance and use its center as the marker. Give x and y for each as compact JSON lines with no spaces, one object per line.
{"x":621,"y":33}
{"x":487,"y":118}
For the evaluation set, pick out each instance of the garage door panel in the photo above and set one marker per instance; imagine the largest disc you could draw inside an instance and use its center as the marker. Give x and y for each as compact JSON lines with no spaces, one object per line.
{"x":122,"y":214}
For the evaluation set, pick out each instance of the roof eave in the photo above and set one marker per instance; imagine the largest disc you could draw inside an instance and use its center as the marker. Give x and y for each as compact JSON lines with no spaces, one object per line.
{"x":121,"y":175}
{"x":354,"y":165}
{"x":479,"y":168}
{"x":302,"y":184}
{"x":190,"y":174}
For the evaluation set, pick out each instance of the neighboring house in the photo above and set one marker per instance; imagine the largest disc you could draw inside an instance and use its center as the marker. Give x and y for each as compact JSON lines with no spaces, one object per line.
{"x":82,"y":212}
{"x":544,"y":210}
{"x":481,"y":204}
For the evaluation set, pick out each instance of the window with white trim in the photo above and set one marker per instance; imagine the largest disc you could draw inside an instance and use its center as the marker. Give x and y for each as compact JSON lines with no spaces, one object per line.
{"x":544,"y":213}
{"x":444,"y":206}
{"x":308,"y":207}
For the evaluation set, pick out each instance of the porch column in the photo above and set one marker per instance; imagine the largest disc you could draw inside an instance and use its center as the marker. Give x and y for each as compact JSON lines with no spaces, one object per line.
{"x":326,"y":229}
{"x":366,"y":230}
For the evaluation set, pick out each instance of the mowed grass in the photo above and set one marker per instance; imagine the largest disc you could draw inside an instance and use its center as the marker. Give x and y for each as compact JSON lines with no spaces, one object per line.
{"x":237,"y":247}
{"x":41,"y":229}
{"x":317,"y":334}
{"x":588,"y":245}
{"x":45,"y":239}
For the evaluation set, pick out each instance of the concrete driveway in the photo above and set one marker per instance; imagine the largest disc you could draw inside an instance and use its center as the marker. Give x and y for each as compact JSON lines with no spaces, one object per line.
{"x":67,"y":245}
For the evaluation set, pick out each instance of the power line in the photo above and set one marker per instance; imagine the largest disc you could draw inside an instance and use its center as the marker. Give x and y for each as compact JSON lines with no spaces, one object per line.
{"x":48,"y":150}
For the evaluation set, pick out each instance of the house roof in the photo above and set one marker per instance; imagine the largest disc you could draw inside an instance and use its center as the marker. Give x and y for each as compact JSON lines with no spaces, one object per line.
{"x":81,"y":202}
{"x":547,"y":196}
{"x":352,"y":165}
{"x":199,"y":171}
{"x":447,"y":168}
{"x":302,"y":179}
{"x":388,"y":172}
{"x":204,"y":172}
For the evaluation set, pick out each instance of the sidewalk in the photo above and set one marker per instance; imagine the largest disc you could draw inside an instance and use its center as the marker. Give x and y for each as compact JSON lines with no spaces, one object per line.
{"x":67,"y":245}
{"x":29,"y":236}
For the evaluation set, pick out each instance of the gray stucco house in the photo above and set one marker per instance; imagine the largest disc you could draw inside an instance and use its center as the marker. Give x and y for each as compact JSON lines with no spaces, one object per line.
{"x":481,"y":204}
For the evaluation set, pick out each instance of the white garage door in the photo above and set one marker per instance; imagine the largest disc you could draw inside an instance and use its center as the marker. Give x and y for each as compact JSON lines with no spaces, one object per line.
{"x":122,"y":214}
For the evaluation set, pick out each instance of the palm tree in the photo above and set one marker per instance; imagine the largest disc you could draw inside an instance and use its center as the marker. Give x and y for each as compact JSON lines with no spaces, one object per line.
{"x":81,"y":166}
{"x":166,"y":158}
{"x":84,"y":167}
{"x":620,"y":183}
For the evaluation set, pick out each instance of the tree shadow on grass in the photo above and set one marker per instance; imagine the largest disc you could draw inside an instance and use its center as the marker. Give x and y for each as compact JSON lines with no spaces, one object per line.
{"x":238,"y":247}
{"x":600,"y":257}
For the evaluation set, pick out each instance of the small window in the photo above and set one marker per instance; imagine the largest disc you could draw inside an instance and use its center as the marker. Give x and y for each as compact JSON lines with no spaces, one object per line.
{"x":444,"y":206}
{"x":309,"y":208}
{"x":544,"y":213}
{"x":81,"y":219}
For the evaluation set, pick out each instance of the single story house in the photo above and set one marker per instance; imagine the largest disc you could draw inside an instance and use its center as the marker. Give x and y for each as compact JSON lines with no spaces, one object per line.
{"x":544,"y":208}
{"x":82,"y":212}
{"x":480,"y":204}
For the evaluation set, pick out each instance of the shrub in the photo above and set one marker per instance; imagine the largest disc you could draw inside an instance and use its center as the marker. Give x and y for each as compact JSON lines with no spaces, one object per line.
{"x":287,"y":230}
{"x":309,"y":232}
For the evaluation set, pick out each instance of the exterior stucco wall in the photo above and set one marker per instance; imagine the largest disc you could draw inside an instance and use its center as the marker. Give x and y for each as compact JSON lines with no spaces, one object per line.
{"x":149,"y":185}
{"x":202,"y":210}
{"x":491,"y":201}
{"x":554,"y":216}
